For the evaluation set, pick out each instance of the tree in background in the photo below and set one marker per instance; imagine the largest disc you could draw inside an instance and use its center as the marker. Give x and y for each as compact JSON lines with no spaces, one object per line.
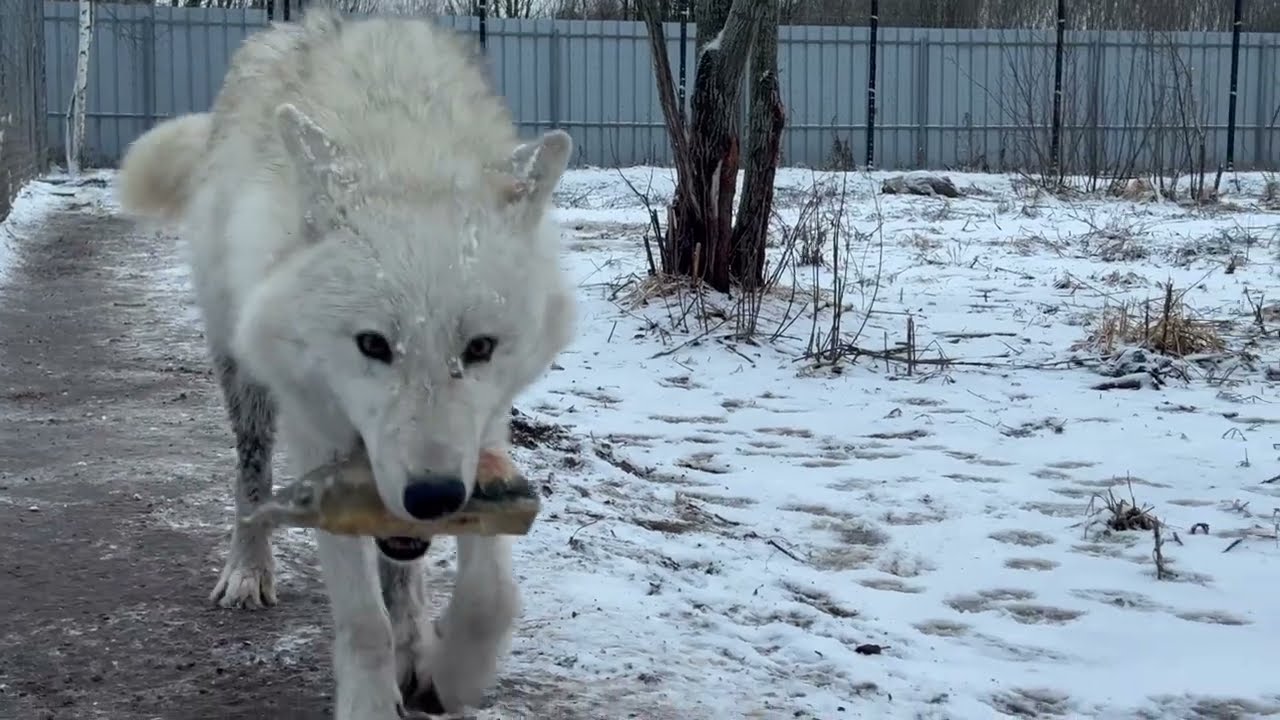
{"x":76,"y":110}
{"x":1166,"y":15}
{"x":1161,"y":15}
{"x":702,"y":240}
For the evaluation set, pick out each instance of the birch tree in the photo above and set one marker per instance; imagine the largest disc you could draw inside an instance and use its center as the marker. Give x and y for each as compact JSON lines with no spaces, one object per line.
{"x":79,"y":93}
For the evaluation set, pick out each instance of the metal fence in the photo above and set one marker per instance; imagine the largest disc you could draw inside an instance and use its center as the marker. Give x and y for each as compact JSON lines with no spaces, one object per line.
{"x":22,"y":96}
{"x":976,"y":99}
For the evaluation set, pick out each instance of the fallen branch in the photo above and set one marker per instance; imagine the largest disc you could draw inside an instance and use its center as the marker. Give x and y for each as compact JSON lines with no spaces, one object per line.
{"x":778,"y":546}
{"x":690,"y":341}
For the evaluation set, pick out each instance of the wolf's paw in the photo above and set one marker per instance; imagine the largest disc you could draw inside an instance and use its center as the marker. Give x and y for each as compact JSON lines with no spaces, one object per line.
{"x":404,"y":712}
{"x":431,"y":682}
{"x":358,"y":710}
{"x":497,"y":476}
{"x":246,"y":585}
{"x":415,"y":649}
{"x":420,"y":695}
{"x":449,"y":677}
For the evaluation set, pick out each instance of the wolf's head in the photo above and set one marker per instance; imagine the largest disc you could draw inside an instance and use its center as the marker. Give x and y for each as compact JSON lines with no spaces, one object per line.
{"x":416,"y":312}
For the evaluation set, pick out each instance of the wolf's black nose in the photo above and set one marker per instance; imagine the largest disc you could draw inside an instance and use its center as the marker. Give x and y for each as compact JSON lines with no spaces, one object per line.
{"x":428,"y":497}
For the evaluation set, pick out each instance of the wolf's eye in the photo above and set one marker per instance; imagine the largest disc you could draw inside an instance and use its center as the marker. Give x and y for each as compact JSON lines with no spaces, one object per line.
{"x":374,"y":346}
{"x":479,"y":349}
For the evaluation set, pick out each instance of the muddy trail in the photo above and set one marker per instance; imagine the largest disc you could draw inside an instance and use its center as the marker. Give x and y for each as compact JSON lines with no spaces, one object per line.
{"x":116,"y":459}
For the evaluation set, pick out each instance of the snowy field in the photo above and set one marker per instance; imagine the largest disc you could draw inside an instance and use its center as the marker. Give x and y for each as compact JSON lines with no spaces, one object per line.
{"x":912,"y":522}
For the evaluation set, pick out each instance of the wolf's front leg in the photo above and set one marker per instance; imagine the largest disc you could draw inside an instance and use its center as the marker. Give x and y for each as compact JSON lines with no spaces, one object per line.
{"x":364,"y":662}
{"x":474,"y":632}
{"x":404,"y":585}
{"x":447,"y":665}
{"x":248,"y":574}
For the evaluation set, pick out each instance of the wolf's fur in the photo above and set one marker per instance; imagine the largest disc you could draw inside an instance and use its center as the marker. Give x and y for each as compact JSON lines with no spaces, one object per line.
{"x":157,"y":172}
{"x":359,"y":176}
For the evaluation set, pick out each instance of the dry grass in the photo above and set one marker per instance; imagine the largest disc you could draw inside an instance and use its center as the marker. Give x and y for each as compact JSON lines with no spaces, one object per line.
{"x":1166,"y":326}
{"x":528,"y":432}
{"x":639,"y":291}
{"x":1271,"y":192}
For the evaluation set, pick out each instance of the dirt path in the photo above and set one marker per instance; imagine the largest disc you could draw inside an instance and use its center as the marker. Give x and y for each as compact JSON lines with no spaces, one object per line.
{"x":115,"y":456}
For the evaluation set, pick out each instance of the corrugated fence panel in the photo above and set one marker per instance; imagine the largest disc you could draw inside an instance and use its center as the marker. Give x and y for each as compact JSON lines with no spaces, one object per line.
{"x":823,"y":76}
{"x":971,"y":99}
{"x":148,"y":63}
{"x":1259,"y":100}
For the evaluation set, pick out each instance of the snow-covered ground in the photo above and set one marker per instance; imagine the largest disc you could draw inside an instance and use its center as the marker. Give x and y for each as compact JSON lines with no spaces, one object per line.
{"x":733,"y":531}
{"x":737,"y":524}
{"x":32,"y":204}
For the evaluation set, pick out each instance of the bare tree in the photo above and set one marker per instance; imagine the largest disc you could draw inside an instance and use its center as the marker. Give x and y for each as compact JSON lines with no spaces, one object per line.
{"x":764,"y":143}
{"x":601,"y":9}
{"x":701,"y":240}
{"x":403,"y":7}
{"x":1165,"y":15}
{"x":496,"y":8}
{"x":80,"y":91}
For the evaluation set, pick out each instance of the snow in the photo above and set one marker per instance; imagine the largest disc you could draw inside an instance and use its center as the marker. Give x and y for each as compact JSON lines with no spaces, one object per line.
{"x":732,"y":524}
{"x":40,"y":198}
{"x":729,"y":529}
{"x":33,"y":203}
{"x":714,"y":43}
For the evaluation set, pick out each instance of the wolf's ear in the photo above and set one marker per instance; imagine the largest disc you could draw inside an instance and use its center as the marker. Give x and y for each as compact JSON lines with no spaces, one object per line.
{"x":323,"y":169}
{"x":535,"y":170}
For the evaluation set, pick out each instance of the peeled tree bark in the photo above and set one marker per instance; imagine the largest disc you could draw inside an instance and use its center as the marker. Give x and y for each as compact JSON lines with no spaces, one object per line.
{"x":701,"y":238}
{"x":76,"y":110}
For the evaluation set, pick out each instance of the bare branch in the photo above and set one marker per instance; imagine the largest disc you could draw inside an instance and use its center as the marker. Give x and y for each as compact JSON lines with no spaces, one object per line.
{"x":672,"y":113}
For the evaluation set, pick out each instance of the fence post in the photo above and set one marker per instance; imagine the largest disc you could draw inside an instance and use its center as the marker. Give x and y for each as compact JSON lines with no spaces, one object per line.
{"x":554,"y":71}
{"x":1235,"y":79}
{"x":42,"y":90}
{"x":922,"y":102}
{"x":149,"y":68}
{"x":484,"y":14}
{"x":1261,"y":156}
{"x":40,"y":87}
{"x":1096,"y":154}
{"x":871,"y":85}
{"x":1055,"y":137}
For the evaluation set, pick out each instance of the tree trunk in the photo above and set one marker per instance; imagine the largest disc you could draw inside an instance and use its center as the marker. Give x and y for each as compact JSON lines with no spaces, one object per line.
{"x":699,"y":235}
{"x":76,"y":110}
{"x":768,"y":117}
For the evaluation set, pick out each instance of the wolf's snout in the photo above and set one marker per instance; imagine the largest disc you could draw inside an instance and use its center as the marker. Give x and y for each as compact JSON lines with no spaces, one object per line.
{"x":428,"y":497}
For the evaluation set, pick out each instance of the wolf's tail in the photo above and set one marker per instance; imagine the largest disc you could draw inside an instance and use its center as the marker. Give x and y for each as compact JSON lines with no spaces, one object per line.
{"x":158,"y":172}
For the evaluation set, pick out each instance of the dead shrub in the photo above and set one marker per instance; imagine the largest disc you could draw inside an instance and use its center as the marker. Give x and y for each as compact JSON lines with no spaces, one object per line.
{"x":1166,"y":326}
{"x":1123,"y":515}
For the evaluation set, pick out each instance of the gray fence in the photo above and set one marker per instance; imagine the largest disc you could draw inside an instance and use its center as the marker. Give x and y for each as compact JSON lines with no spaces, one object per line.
{"x":22,"y":94}
{"x":973,"y":99}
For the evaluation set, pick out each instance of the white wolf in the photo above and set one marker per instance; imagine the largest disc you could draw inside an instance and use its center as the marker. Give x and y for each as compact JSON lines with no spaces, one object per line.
{"x":375,"y":263}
